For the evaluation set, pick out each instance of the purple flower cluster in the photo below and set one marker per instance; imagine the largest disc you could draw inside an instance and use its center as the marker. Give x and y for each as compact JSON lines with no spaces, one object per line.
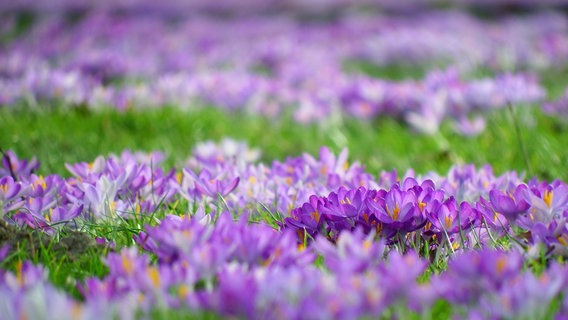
{"x":268,"y":64}
{"x":359,"y":251}
{"x":354,"y":280}
{"x":103,"y":189}
{"x":259,"y":6}
{"x":410,"y":212}
{"x":312,"y":196}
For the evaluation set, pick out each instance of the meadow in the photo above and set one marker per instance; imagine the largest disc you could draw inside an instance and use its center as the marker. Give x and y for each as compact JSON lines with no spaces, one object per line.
{"x":253,"y":160}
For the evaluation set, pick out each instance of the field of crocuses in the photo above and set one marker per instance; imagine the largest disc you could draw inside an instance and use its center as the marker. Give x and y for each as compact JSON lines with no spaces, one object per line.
{"x":287,"y":159}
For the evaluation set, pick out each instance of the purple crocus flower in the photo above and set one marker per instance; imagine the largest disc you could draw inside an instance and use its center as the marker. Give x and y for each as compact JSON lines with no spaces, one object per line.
{"x":342,"y":209}
{"x":10,"y":193}
{"x":236,"y":293}
{"x":16,"y":168}
{"x":397,"y":210}
{"x":353,"y":252}
{"x":9,"y":189}
{"x":473,"y":273}
{"x":547,"y":202}
{"x":449,"y":219}
{"x":491,"y":218}
{"x":400,"y":274}
{"x":511,"y":204}
{"x":208,"y":185}
{"x":469,"y":127}
{"x":87,"y":171}
{"x":306,"y":219}
{"x":554,"y":235}
{"x":26,"y":294}
{"x":526,"y":295}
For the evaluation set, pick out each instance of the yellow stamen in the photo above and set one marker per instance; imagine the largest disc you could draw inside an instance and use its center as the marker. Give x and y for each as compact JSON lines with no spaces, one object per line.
{"x":179,"y":177}
{"x":182,"y":291}
{"x":154,"y":275}
{"x":41,"y":182}
{"x":277,"y":252}
{"x":288,"y":181}
{"x":373,"y":296}
{"x":4,"y":188}
{"x":421,"y":205}
{"x":547,"y":197}
{"x":448,"y":222}
{"x":501,"y":264}
{"x":76,"y":311}
{"x":252,"y":179}
{"x":563,"y":239}
{"x":346,"y":166}
{"x":316,"y":216}
{"x":367,"y":245}
{"x":395,"y":212}
{"x":323,"y":170}
{"x":187,"y":234}
{"x":127,"y":265}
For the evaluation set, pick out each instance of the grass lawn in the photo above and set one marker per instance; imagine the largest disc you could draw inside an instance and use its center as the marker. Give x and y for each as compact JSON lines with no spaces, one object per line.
{"x":522,"y":139}
{"x":63,"y":136}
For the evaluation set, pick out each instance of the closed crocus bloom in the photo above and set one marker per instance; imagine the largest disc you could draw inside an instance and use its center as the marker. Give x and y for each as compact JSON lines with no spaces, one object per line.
{"x":510,"y":204}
